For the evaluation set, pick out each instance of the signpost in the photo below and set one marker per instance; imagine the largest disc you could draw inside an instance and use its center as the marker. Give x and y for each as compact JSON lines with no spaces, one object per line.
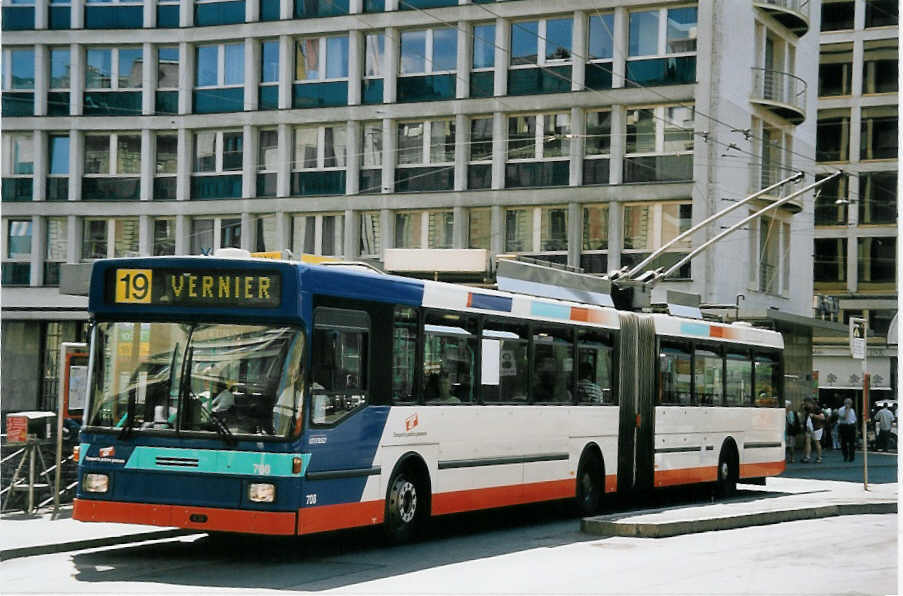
{"x":858,"y":349}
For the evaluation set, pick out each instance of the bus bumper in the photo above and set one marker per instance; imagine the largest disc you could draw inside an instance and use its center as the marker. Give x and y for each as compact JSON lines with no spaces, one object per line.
{"x":180,"y":516}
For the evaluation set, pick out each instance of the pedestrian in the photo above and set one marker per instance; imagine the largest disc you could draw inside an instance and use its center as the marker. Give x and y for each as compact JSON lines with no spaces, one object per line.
{"x":846,"y":425}
{"x":826,"y":436}
{"x":884,"y":420}
{"x":815,"y":426}
{"x":792,"y":429}
{"x":835,"y":429}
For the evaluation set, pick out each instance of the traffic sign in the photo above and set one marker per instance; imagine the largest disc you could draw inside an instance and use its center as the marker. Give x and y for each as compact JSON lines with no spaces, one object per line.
{"x":858,"y":333}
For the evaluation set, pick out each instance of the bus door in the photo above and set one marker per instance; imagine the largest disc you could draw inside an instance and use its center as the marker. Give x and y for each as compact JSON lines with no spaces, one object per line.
{"x":636,"y":450}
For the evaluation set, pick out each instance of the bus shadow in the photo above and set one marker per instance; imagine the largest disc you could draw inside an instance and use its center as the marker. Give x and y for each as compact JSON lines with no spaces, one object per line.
{"x":341,"y":559}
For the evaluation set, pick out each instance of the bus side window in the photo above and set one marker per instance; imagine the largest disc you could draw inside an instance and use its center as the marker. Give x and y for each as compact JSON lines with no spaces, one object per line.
{"x":339,"y":370}
{"x":594,"y":368}
{"x":708,"y":370}
{"x":503,"y":376}
{"x":675,"y":371}
{"x":766,"y":381}
{"x":738,"y":380}
{"x":449,"y":358}
{"x":553,"y":364}
{"x":404,"y":354}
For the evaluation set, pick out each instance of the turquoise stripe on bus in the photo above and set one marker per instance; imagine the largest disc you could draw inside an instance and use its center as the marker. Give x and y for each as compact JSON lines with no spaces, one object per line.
{"x":208,"y":461}
{"x":551,"y":311}
{"x":694,"y":329}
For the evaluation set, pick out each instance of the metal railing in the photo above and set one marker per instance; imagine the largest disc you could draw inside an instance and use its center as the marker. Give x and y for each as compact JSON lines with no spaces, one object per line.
{"x":780,"y":87}
{"x":800,"y":7}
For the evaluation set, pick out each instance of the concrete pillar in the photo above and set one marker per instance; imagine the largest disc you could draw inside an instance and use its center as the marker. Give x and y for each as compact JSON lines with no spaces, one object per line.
{"x":855,"y":132}
{"x":40,"y":165}
{"x":145,"y":235}
{"x":462,"y":151}
{"x":150,"y":15}
{"x":352,"y":235}
{"x":355,"y":6}
{"x":391,"y":5}
{"x":148,"y":154}
{"x":186,"y":75}
{"x":286,"y":9}
{"x":465,"y":60}
{"x":252,"y":69}
{"x":40,"y":14}
{"x":148,"y":79}
{"x":252,"y":11}
{"x":283,"y":231}
{"x":615,"y":235}
{"x":578,"y":51}
{"x":286,"y":75}
{"x":248,"y":231}
{"x":387,"y":225}
{"x":249,"y":163}
{"x":77,"y":18}
{"x":576,"y":145}
{"x":390,"y":141}
{"x":183,"y":229}
{"x":390,"y":67}
{"x":76,"y":163}
{"x":619,"y":41}
{"x":502,"y":40}
{"x":76,"y":79}
{"x":185,"y":146}
{"x":618,"y":144}
{"x":73,"y":239}
{"x":852,"y":264}
{"x":41,"y":76}
{"x":459,"y":227}
{"x":284,"y":157}
{"x":858,"y":52}
{"x":355,"y":66}
{"x":575,"y":233}
{"x":38,"y":237}
{"x":186,"y":13}
{"x":497,"y":231}
{"x":499,"y":142}
{"x":353,"y":157}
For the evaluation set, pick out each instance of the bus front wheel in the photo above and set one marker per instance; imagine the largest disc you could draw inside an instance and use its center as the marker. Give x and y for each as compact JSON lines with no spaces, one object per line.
{"x":589,"y":485}
{"x":403,"y":507}
{"x":726,"y":484}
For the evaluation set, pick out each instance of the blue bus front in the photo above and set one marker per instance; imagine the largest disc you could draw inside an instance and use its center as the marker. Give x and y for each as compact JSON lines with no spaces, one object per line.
{"x":195,"y":396}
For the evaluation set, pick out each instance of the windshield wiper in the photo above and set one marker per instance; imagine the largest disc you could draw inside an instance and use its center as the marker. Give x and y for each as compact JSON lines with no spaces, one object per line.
{"x":221,"y":429}
{"x":129,"y":416}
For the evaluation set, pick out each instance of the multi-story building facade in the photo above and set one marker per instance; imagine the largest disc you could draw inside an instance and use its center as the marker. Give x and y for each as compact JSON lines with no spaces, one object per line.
{"x":587,"y":133}
{"x":856,"y":218}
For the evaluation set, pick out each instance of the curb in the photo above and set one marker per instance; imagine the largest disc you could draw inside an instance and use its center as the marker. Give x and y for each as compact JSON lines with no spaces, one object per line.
{"x":46,"y":549}
{"x":605,"y":526}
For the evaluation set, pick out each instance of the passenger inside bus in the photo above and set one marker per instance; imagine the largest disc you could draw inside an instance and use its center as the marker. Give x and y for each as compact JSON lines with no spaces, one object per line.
{"x":438,"y":388}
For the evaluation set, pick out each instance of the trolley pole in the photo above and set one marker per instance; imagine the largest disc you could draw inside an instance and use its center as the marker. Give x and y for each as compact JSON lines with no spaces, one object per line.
{"x":866,"y":381}
{"x":859,"y":351}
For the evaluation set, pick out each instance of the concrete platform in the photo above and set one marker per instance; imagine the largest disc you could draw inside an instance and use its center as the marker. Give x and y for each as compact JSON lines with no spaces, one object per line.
{"x":781,"y":500}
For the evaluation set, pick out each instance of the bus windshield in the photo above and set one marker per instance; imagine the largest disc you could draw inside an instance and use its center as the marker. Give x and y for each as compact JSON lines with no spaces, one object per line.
{"x":226,"y":379}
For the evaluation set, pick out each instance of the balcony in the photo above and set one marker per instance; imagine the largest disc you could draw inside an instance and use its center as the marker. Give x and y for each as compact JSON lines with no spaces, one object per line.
{"x":772,"y":174}
{"x":781,"y":92}
{"x":793,"y":14}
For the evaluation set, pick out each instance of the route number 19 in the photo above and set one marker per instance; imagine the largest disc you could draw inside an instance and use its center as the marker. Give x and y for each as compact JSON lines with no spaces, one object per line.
{"x":133,"y":286}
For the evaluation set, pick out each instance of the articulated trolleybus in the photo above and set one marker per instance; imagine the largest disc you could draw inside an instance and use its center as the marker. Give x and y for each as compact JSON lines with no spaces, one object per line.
{"x":274,"y":397}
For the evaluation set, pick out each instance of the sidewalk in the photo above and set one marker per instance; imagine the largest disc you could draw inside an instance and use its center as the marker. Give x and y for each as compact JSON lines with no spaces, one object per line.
{"x":25,"y":535}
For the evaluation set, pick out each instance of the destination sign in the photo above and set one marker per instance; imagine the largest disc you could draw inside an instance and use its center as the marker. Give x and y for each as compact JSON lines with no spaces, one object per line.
{"x":173,"y":287}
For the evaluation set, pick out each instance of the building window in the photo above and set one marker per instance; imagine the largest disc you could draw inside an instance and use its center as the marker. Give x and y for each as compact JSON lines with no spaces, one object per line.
{"x":216,"y":152}
{"x":539,"y":230}
{"x":266,"y":239}
{"x":776,"y":158}
{"x":371,"y":149}
{"x":773,"y":252}
{"x":594,"y":253}
{"x":165,"y":166}
{"x":60,"y":82}
{"x":835,"y":70}
{"x":878,"y":135}
{"x":479,"y":169}
{"x":541,"y":42}
{"x":321,"y":59}
{"x":322,"y":235}
{"x":880,"y":66}
{"x":370,"y":246}
{"x":876,"y":260}
{"x":97,"y":233}
{"x":208,"y":234}
{"x":878,"y":198}
{"x":424,"y":229}
{"x":267,"y":162}
{"x":479,"y":229}
{"x":425,"y":144}
{"x":483,"y":62}
{"x":269,"y":61}
{"x":600,"y":51}
{"x":597,"y":147}
{"x":427,"y":51}
{"x":539,"y":136}
{"x":112,"y":166}
{"x":833,"y":135}
{"x":221,"y":65}
{"x":662,"y":46}
{"x":19,"y":149}
{"x":518,"y":230}
{"x":164,"y":237}
{"x":58,"y":170}
{"x":649,"y":226}
{"x":18,"y":245}
{"x":319,"y":147}
{"x":837,"y":15}
{"x":882,"y":13}
{"x":18,"y":68}
{"x":56,"y":248}
{"x":832,"y":201}
{"x":659,"y":144}
{"x":374,"y":68}
{"x":168,"y":67}
{"x":113,"y":68}
{"x":830,"y":260}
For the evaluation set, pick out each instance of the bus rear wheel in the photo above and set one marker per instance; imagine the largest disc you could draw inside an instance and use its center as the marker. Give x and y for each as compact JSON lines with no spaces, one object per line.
{"x":404,"y":505}
{"x":589,"y":485}
{"x":726,"y":484}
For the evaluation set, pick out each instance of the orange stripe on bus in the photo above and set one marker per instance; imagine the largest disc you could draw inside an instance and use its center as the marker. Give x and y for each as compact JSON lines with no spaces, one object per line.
{"x":716,"y":331}
{"x":502,"y":496}
{"x":764,"y":469}
{"x":686,"y":476}
{"x":611,"y":483}
{"x":215,"y":519}
{"x":324,"y":518}
{"x":580,"y":314}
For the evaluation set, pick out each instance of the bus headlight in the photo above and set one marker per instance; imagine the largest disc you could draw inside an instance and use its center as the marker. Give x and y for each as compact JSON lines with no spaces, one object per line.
{"x":96,"y":483}
{"x":262,"y":493}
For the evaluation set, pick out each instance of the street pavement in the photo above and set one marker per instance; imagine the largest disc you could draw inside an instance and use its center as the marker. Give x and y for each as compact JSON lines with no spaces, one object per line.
{"x":804,"y":491}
